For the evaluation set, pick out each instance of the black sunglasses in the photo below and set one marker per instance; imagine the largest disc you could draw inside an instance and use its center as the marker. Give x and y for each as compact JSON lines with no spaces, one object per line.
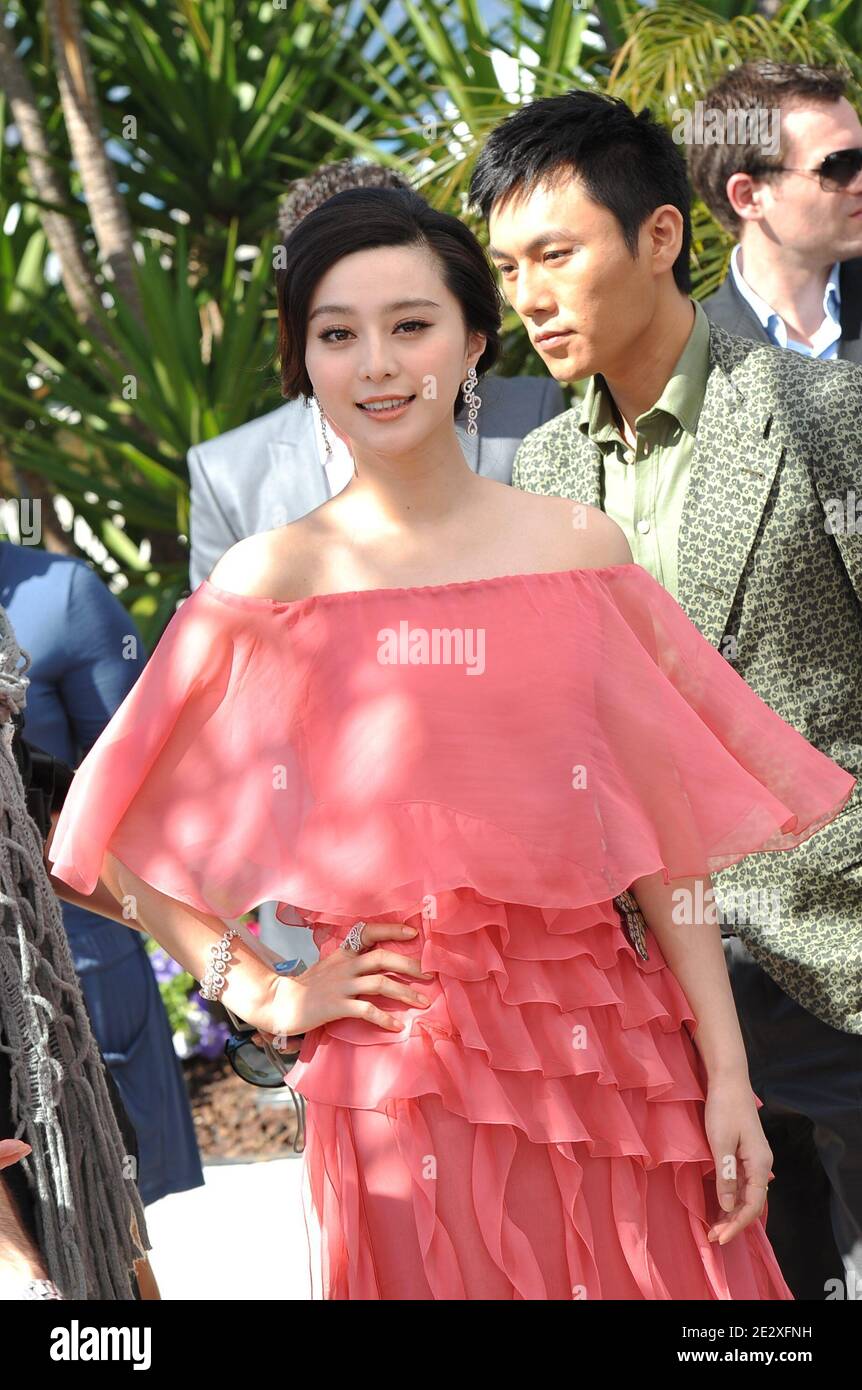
{"x":263,"y":1065}
{"x":836,"y":172}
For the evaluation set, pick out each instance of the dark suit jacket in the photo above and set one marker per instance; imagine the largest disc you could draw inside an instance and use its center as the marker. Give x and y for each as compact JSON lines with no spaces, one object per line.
{"x":729,"y":310}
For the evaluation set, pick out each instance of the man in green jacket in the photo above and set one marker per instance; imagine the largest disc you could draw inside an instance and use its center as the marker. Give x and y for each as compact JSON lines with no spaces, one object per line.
{"x":733,"y":468}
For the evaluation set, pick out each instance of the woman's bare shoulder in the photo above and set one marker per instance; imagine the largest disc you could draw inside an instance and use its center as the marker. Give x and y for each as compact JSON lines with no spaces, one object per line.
{"x":285,"y":563}
{"x":587,"y":536}
{"x":270,"y":564}
{"x":598,"y":539}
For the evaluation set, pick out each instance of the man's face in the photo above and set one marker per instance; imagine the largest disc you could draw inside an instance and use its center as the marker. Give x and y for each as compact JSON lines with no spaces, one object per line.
{"x":798,"y":213}
{"x":564,"y":265}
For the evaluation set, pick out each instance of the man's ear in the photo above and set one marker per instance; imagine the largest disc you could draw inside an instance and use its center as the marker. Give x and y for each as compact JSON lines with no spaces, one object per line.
{"x":665,"y":235}
{"x":743,"y":194}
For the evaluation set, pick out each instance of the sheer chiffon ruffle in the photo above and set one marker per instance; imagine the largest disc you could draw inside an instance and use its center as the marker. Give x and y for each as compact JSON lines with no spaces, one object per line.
{"x":491,"y":761}
{"x":278,"y":751}
{"x":548,"y":1043}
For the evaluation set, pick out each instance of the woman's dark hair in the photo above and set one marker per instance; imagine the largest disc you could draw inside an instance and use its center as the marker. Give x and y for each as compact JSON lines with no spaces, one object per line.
{"x":627,"y":163}
{"x":362,"y":218}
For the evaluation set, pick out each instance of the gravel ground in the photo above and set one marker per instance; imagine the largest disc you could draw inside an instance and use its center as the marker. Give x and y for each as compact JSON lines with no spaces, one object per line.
{"x":229,"y":1122}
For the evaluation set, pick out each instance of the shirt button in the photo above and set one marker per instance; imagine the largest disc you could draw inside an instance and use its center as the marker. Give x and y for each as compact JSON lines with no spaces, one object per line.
{"x":643,"y":525}
{"x":646,"y":448}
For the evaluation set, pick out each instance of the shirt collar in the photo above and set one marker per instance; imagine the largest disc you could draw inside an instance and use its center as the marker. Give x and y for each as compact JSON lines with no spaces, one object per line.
{"x":682,"y":396}
{"x":767,"y":316}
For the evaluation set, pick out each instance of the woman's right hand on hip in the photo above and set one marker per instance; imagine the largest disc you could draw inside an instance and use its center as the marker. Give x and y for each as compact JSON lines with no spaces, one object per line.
{"x":337,"y":985}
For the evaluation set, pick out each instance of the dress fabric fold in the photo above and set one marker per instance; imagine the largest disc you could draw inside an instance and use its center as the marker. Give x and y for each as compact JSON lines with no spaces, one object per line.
{"x":491,"y":761}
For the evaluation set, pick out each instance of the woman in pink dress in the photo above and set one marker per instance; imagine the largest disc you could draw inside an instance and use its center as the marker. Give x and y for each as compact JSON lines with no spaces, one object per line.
{"x":461,"y":715}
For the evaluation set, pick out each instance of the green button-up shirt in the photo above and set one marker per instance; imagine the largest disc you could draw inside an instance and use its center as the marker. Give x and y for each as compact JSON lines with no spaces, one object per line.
{"x":644,"y":488}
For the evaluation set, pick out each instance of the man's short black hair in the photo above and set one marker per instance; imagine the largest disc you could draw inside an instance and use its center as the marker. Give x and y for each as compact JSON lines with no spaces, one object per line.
{"x":628,"y":163}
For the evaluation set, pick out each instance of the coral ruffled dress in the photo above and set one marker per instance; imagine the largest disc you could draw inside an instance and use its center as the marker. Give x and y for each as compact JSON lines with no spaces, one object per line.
{"x":491,"y":761}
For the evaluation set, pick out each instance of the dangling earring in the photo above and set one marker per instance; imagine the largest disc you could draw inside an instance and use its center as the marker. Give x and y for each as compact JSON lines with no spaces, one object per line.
{"x":471,"y":400}
{"x":323,"y":427}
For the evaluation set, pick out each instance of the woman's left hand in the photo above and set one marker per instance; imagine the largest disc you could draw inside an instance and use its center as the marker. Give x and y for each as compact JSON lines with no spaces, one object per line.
{"x":743,"y":1158}
{"x":12,"y":1151}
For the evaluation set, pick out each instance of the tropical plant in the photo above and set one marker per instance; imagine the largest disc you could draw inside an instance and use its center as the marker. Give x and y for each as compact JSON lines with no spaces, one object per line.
{"x":140,"y":196}
{"x":204,"y":109}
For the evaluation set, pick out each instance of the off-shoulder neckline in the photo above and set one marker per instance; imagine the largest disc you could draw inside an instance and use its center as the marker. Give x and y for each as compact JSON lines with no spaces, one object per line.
{"x":228,"y":595}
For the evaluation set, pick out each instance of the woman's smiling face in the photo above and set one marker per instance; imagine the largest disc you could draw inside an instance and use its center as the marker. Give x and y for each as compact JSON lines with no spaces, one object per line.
{"x":382,"y":323}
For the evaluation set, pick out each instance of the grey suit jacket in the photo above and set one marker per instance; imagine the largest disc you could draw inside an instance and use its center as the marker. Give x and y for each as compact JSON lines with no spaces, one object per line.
{"x":267,"y":472}
{"x":729,"y":310}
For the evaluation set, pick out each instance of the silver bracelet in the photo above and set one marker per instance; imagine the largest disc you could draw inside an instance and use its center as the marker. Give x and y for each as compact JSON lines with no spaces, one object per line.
{"x":42,"y":1288}
{"x":212,"y":983}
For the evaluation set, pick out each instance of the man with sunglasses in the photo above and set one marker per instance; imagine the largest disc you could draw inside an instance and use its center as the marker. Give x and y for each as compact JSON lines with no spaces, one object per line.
{"x":795,"y":276}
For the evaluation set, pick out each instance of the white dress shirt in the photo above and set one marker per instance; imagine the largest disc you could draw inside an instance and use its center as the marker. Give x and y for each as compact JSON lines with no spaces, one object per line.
{"x":824,"y":342}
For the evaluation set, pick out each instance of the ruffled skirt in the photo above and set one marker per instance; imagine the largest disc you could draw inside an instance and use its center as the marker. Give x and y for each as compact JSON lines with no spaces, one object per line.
{"x":536,"y":1132}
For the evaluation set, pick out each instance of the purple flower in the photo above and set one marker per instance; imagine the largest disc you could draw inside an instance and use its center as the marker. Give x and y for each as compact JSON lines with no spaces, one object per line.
{"x":165,"y":967}
{"x":211,"y":1033}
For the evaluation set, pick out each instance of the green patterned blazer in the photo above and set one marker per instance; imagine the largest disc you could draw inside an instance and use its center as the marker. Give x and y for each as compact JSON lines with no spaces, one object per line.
{"x":770,"y":571}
